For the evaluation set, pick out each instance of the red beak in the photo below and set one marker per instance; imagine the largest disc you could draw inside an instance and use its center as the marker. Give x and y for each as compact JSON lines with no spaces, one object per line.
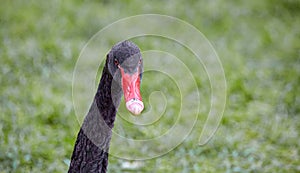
{"x":131,"y":89}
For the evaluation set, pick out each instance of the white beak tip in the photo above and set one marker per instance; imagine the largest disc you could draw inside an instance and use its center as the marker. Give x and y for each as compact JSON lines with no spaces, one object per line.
{"x":135,"y":106}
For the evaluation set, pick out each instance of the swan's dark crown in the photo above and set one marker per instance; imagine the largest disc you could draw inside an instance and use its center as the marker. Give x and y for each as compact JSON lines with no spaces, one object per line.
{"x":126,"y":54}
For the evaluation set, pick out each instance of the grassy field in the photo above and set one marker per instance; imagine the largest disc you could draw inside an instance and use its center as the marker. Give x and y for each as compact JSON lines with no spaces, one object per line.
{"x":258,"y":43}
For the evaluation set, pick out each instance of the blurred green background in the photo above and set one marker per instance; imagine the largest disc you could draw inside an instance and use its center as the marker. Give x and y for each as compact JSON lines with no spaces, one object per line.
{"x":258,"y":43}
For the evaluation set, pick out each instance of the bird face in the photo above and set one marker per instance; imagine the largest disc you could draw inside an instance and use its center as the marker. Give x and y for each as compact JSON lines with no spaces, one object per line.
{"x":125,"y":63}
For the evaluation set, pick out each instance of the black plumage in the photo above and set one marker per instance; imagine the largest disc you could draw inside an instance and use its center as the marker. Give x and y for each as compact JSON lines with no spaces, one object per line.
{"x":92,"y":145}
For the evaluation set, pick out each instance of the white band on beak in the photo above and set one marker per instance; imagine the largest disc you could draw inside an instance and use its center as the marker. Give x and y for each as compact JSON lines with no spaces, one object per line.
{"x":135,"y":106}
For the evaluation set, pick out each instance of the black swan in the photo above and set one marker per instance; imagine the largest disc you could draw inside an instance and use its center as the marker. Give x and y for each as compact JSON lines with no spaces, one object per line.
{"x":122,"y":73}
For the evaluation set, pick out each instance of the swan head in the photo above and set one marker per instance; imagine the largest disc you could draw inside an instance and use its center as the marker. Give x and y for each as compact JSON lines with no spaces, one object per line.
{"x":125,"y":63}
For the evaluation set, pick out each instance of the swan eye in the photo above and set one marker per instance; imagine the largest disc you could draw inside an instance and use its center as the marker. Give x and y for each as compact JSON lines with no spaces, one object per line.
{"x":140,"y":62}
{"x":116,"y":62}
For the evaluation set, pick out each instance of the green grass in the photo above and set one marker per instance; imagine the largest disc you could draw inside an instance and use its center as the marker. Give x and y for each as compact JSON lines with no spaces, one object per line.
{"x":258,"y":43}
